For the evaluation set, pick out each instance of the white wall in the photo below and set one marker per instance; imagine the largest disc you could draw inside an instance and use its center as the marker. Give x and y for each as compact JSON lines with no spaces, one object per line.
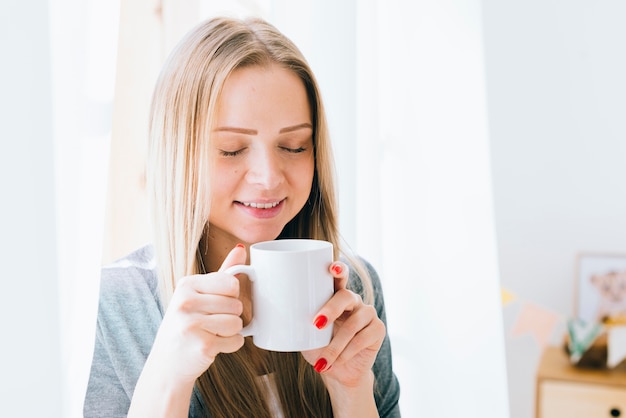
{"x":29,"y":308}
{"x":556,"y":78}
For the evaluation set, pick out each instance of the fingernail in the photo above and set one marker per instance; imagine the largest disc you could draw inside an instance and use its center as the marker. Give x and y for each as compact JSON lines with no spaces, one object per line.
{"x":319,"y":366}
{"x":321,"y":321}
{"x":241,"y":246}
{"x":337,"y":269}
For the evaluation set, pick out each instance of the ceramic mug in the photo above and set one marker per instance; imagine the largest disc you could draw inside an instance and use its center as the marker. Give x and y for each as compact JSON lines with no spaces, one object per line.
{"x":290,"y":284}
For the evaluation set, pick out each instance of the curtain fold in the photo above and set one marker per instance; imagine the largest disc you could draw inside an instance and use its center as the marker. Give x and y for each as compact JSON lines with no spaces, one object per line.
{"x":425,"y":196}
{"x":82,"y":38}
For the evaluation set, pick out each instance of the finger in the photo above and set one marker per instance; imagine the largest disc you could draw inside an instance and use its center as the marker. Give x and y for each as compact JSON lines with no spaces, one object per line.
{"x":341,"y":273}
{"x":228,"y":344}
{"x":342,"y":301}
{"x":213,"y":304}
{"x":221,"y":325}
{"x":211,"y":283}
{"x":237,"y":255}
{"x":362,"y":331}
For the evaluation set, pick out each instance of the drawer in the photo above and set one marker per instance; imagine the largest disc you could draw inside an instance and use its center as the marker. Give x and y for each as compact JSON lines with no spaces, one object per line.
{"x":558,"y":399}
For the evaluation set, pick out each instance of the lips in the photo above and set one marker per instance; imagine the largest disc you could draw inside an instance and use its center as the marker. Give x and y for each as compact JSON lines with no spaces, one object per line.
{"x":261,"y":205}
{"x":262,"y":210}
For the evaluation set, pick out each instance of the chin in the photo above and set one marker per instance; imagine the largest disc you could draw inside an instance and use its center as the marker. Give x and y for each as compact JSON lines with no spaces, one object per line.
{"x":252,"y":237}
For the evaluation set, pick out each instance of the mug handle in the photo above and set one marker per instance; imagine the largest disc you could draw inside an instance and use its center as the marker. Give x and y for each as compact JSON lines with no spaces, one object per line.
{"x":248,"y":330}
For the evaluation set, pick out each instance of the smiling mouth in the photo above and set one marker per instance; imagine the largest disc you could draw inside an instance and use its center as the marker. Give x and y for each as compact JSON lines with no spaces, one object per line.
{"x":260,"y":205}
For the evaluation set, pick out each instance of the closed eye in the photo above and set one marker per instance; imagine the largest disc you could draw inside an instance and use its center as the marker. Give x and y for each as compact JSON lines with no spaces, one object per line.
{"x":225,"y":153}
{"x":293,"y":150}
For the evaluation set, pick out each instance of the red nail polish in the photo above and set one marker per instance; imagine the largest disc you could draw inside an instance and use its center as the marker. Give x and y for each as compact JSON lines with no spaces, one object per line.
{"x":241,"y":246}
{"x":321,"y":321}
{"x":337,"y":269}
{"x":319,"y":366}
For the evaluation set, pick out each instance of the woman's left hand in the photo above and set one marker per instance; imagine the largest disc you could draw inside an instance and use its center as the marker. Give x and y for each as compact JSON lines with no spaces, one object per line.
{"x":357,"y":335}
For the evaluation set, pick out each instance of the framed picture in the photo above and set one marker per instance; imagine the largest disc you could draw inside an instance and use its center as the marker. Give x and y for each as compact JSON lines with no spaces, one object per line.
{"x":601,"y":287}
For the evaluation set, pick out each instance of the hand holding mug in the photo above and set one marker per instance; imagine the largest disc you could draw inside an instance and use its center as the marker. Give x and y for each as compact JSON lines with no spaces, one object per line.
{"x":202,"y":320}
{"x":357,"y":336}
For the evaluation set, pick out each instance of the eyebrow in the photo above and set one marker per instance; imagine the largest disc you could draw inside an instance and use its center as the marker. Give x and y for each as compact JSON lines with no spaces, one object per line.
{"x":296,"y":127}
{"x":246,"y":131}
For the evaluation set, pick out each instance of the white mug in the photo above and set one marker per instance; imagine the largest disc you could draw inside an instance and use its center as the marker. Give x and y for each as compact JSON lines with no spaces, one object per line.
{"x":290,"y":284}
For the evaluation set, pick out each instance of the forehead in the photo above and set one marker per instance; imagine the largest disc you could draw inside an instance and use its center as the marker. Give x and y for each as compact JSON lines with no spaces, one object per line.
{"x":263,"y":92}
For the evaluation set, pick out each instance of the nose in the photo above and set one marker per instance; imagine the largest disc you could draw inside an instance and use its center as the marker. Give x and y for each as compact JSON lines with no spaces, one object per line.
{"x":265,"y":169}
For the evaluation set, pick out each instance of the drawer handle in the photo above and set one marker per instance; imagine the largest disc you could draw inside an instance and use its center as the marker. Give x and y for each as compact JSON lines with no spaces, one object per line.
{"x":615,"y":412}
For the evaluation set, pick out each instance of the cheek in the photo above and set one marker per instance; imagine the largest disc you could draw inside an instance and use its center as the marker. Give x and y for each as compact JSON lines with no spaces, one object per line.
{"x":304,"y":177}
{"x":300,"y":180}
{"x":224,"y":174}
{"x":222,"y":185}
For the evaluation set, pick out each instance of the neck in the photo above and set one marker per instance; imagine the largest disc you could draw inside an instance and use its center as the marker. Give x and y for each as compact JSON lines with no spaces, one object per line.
{"x":215,"y":246}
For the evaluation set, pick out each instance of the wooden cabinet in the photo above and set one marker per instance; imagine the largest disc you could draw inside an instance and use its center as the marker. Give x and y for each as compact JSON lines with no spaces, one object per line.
{"x":567,"y":391}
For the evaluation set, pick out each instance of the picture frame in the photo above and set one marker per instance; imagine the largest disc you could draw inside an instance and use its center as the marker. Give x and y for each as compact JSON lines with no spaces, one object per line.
{"x":600,"y":287}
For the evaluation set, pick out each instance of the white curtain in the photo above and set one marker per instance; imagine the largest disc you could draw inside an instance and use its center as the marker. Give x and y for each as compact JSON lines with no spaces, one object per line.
{"x":425,"y":200}
{"x":404,"y":85}
{"x":83,"y":38}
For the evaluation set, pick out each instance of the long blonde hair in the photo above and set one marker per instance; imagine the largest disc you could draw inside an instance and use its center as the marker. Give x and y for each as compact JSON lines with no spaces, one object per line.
{"x":182,"y":113}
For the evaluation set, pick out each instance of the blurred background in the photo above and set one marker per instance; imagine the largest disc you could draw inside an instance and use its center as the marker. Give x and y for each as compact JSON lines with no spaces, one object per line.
{"x":480,"y":148}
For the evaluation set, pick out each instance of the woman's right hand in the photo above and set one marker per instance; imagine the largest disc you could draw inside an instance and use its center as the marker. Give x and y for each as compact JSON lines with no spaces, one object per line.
{"x":202,"y":320}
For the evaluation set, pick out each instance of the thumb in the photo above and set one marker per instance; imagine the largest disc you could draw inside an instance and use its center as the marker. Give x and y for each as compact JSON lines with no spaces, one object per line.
{"x":237,"y":255}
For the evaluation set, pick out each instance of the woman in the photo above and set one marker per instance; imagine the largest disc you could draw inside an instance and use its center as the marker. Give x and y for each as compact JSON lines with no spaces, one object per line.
{"x":239,"y":153}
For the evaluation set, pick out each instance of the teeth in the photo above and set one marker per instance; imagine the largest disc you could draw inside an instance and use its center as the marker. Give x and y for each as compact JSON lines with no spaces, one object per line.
{"x":261,"y":205}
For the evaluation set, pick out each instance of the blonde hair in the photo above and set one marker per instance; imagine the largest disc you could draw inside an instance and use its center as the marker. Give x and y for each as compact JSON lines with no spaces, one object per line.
{"x":182,"y":112}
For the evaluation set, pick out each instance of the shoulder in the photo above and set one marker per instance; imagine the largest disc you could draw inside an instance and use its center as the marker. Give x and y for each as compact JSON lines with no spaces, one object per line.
{"x":129,"y":286}
{"x":139,"y":263}
{"x":134,"y":273}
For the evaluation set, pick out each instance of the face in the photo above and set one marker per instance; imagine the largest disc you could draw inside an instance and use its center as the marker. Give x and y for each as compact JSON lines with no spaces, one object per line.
{"x":262,"y":154}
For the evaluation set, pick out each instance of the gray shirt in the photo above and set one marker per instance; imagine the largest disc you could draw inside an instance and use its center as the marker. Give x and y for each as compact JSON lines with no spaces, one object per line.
{"x":129,"y":315}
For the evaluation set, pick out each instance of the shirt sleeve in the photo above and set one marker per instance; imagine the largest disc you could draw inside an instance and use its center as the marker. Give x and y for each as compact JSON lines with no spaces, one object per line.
{"x":129,"y":315}
{"x":387,"y":387}
{"x":105,"y":396}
